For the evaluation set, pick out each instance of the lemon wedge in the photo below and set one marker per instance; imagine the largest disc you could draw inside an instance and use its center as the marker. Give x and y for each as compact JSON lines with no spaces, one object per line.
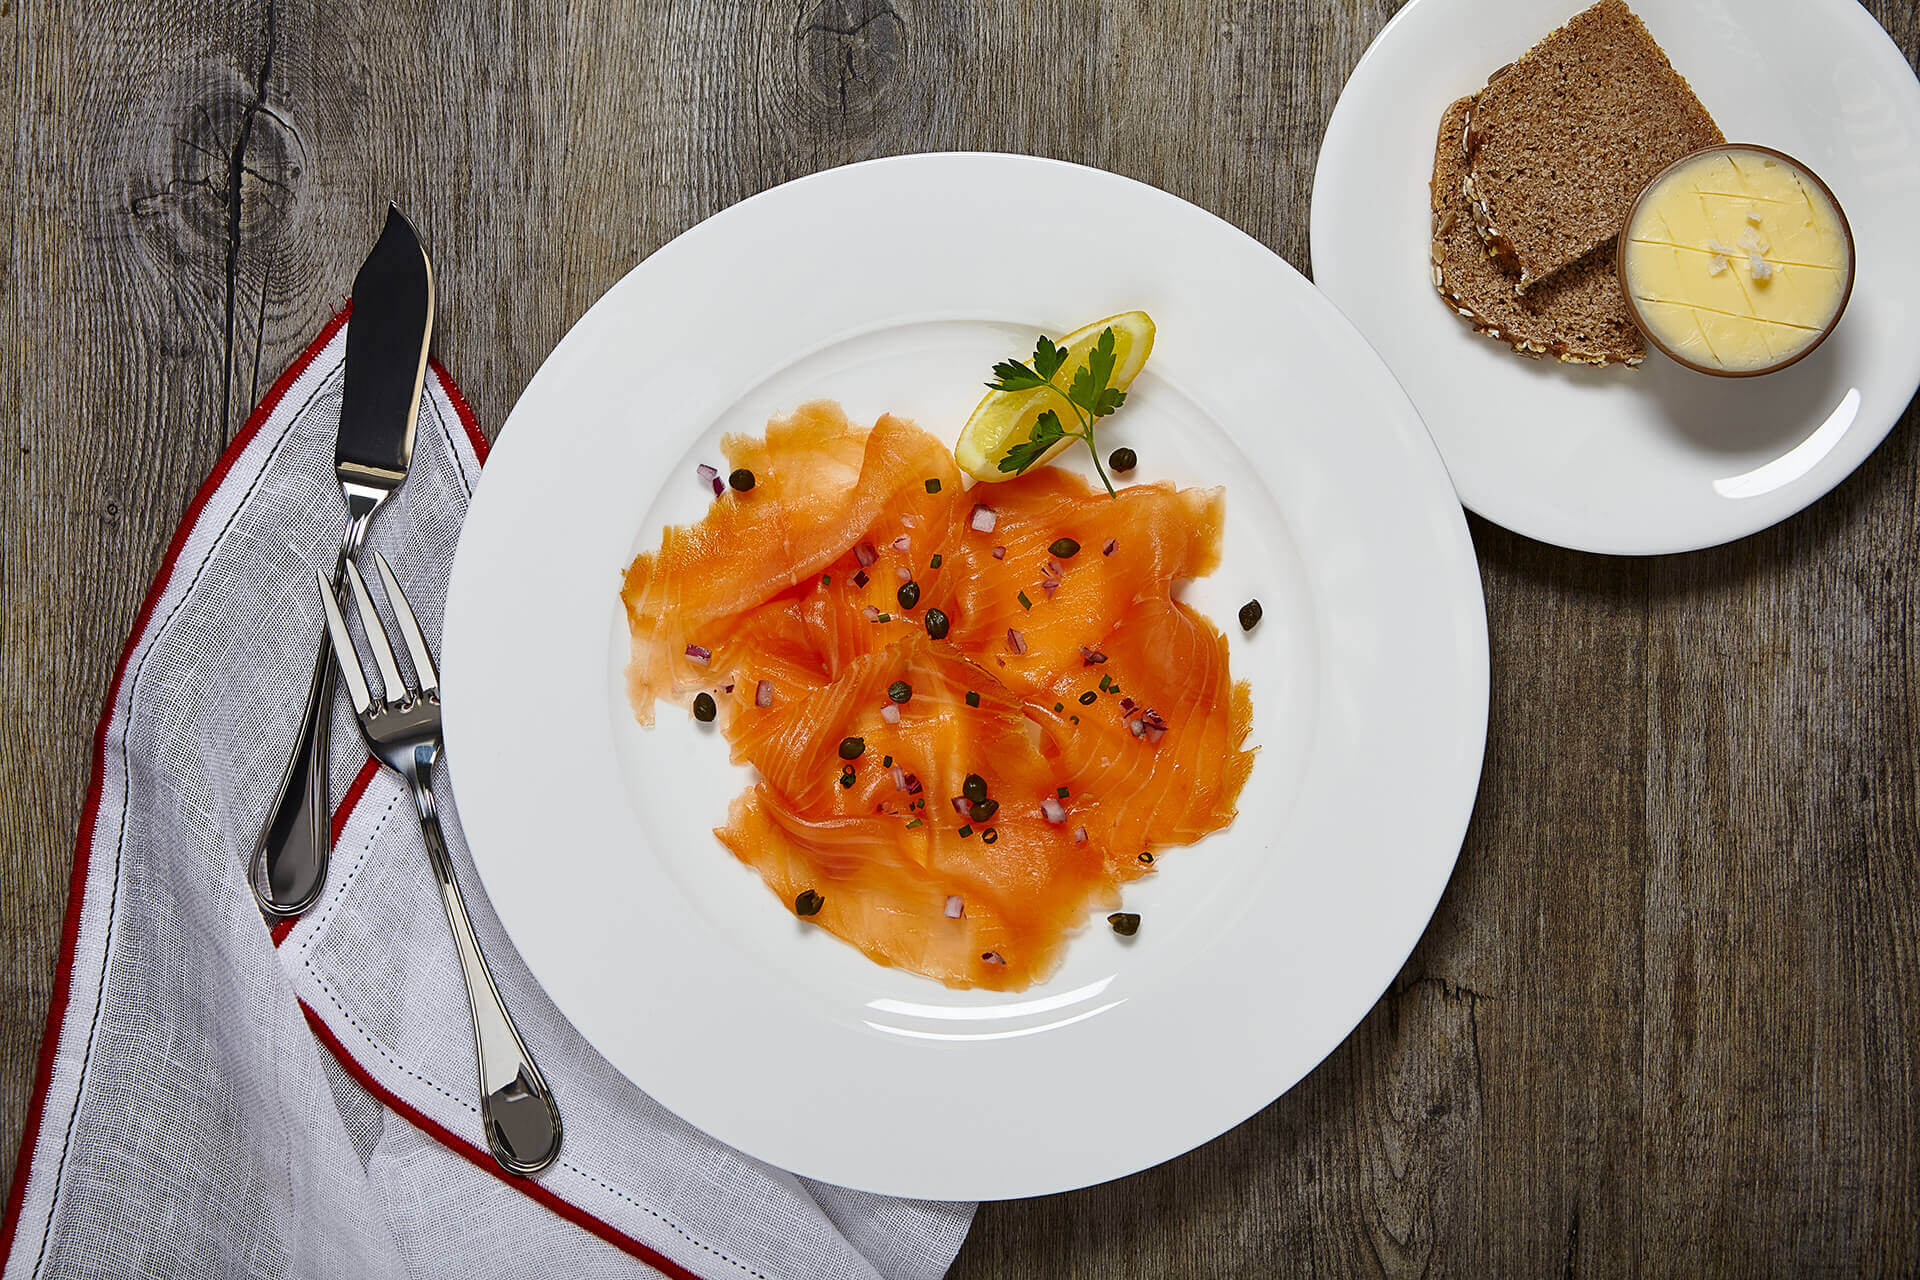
{"x":1005,"y":419}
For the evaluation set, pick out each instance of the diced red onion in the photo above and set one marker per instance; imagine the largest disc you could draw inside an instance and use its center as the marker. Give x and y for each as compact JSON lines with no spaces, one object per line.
{"x":992,"y":957}
{"x":1016,"y":641}
{"x":913,"y":785}
{"x":956,"y":907}
{"x":1091,"y":657}
{"x":1138,"y":728}
{"x":1126,"y":704}
{"x":1154,"y":734}
{"x":719,"y":486}
{"x":727,"y":687}
{"x":903,"y":543}
{"x":891,"y":714}
{"x":1152,"y":719}
{"x":707,"y":474}
{"x":899,"y":778}
{"x":903,"y":573}
{"x":999,"y":553}
{"x":1112,"y":545}
{"x":983,"y":519}
{"x":860,"y":578}
{"x":1049,"y":586}
{"x":763,"y":694}
{"x":870,"y":613}
{"x":1079,"y":835}
{"x":1053,"y":811}
{"x":1051,"y":568}
{"x":699,"y":655}
{"x":865,"y":554}
{"x":960,"y":805}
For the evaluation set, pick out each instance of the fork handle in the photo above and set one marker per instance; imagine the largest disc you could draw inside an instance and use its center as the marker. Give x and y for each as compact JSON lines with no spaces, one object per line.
{"x":516,"y":1105}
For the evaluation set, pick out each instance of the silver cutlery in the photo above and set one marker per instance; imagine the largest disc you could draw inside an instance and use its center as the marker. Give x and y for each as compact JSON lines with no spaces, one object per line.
{"x":387,"y":341}
{"x":402,"y":730}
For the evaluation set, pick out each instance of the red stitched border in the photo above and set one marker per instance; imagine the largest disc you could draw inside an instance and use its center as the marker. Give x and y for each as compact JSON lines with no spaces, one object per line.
{"x":83,"y":842}
{"x":485,"y":1161}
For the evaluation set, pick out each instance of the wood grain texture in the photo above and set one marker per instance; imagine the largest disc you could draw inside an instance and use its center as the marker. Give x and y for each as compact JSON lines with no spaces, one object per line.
{"x":1667,"y":1017}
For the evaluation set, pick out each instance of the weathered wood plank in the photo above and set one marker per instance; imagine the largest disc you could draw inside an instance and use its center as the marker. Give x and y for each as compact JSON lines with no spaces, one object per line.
{"x":1666,"y":1018}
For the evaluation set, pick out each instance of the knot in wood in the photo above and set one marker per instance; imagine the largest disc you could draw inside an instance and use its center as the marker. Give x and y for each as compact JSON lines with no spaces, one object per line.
{"x":236,"y":169}
{"x":850,"y":55}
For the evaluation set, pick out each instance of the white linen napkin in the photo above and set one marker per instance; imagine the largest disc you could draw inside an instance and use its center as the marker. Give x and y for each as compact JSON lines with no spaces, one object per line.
{"x":216,"y":1101}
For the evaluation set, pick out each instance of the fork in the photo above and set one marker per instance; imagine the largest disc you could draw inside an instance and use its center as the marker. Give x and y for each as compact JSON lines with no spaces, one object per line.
{"x":403,"y":733}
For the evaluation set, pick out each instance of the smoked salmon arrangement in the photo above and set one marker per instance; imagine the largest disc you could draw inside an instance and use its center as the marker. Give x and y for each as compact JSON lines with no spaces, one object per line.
{"x":974,"y":714}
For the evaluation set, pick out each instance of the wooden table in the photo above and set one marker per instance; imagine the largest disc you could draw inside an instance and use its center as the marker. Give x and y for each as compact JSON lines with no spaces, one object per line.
{"x":1668,"y":1016}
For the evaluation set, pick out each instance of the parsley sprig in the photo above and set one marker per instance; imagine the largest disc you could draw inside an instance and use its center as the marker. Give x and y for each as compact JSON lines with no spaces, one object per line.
{"x":1090,"y":397}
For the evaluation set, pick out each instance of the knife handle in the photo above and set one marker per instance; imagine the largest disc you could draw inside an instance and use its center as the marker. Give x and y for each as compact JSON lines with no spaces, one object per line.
{"x":289,"y":867}
{"x":290,"y":857}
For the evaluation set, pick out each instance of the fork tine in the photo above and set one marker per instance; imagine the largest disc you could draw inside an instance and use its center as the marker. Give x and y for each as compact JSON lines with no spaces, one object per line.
{"x":396,"y":688}
{"x":409,"y":626}
{"x":343,"y":651}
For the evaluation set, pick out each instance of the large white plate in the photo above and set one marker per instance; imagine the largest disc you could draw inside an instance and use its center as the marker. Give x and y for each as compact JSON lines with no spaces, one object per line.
{"x":894,"y":285}
{"x":1657,"y":459}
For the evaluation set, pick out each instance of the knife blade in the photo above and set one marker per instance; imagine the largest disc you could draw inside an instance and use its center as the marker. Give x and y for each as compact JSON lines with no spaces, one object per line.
{"x":388,"y":336}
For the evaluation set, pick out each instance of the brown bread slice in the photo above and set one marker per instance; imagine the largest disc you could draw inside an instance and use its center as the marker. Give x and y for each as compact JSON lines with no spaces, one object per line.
{"x":1579,"y":315}
{"x":1560,"y":142}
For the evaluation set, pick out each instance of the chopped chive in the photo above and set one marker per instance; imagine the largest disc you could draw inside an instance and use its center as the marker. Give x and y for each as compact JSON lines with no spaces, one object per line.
{"x":973,"y":699}
{"x":989,"y":836}
{"x":1146,"y":857}
{"x":1105,"y":683}
{"x":1061,"y":792}
{"x":1075,"y":719}
{"x":965,"y":831}
{"x":1087,"y":698}
{"x":1059,"y":706}
{"x":846,"y":779}
{"x":886,"y":762}
{"x":1024,"y":602}
{"x":914,"y":822}
{"x":933,"y":486}
{"x":885,"y":617}
{"x":935,"y":562}
{"x":826,"y":579}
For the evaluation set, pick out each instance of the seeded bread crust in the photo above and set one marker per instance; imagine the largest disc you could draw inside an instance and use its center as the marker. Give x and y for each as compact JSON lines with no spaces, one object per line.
{"x":1579,"y":316}
{"x":1561,"y":141}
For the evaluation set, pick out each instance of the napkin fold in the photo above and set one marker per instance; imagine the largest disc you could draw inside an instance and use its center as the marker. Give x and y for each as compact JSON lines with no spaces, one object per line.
{"x":217,"y":1099}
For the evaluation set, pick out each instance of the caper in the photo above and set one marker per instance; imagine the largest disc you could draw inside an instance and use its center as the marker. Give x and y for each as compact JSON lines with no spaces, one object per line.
{"x":741,"y":479}
{"x":851,"y":748}
{"x":908,"y":595}
{"x":974,"y":789}
{"x":703,"y":708}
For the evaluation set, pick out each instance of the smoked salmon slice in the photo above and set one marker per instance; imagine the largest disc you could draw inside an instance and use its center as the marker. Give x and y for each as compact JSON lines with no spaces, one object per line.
{"x":969,"y":722}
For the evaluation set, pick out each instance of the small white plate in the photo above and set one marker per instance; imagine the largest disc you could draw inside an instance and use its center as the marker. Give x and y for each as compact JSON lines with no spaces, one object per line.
{"x":894,"y":285}
{"x":1658,"y":459}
